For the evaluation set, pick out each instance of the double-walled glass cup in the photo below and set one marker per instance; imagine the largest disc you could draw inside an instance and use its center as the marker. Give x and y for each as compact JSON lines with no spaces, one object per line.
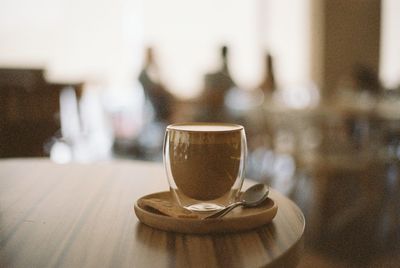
{"x":205,"y":164}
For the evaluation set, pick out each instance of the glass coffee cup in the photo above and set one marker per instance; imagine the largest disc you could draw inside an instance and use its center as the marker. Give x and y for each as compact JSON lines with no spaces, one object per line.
{"x":205,"y":164}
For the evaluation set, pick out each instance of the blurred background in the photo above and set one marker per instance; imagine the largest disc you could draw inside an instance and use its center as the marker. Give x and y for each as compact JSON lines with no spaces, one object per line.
{"x":316,"y":83}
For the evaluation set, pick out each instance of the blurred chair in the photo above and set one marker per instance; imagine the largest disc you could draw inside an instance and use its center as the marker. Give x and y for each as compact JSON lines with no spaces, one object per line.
{"x":29,"y":112}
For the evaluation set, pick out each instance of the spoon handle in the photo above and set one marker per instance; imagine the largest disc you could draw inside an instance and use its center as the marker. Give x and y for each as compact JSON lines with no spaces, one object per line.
{"x":223,"y":211}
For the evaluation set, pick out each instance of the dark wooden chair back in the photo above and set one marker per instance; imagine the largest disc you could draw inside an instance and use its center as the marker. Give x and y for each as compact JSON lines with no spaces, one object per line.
{"x":29,"y":112}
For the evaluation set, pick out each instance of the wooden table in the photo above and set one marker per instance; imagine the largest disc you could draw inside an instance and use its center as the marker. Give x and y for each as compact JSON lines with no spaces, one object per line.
{"x":79,"y":215}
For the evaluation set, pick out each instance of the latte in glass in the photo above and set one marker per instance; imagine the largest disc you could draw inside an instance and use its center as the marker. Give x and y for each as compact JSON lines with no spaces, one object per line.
{"x":205,"y":163}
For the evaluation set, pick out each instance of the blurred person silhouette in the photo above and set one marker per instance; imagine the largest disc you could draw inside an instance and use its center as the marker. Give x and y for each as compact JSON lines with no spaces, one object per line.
{"x":366,"y":80}
{"x":246,"y":104}
{"x":262,"y":158}
{"x":155,"y":92}
{"x":361,"y":81}
{"x":216,"y":86}
{"x":367,"y":84}
{"x":158,"y":111}
{"x":268,"y":85}
{"x":262,"y":95}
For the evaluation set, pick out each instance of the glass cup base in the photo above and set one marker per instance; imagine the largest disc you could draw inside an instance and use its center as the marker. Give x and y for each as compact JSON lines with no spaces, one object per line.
{"x":204,"y":207}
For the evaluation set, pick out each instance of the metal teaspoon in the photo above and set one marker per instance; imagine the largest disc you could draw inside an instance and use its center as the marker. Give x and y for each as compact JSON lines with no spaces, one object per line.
{"x":252,"y":197}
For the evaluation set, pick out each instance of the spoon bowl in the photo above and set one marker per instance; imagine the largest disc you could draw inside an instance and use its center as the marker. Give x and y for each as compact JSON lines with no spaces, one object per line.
{"x":255,"y":195}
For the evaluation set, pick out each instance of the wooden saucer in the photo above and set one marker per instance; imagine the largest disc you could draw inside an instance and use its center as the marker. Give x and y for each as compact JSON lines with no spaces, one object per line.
{"x":240,"y":219}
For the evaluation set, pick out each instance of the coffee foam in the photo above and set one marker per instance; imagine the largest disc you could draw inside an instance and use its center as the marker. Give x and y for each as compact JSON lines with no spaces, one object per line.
{"x":204,"y":127}
{"x":204,"y":133}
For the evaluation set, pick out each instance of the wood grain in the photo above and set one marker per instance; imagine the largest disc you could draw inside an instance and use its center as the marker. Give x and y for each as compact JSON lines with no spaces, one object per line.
{"x":81,"y":216}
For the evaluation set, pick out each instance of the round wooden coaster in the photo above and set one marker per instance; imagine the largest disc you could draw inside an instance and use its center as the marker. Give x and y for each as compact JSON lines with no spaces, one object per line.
{"x":240,"y":219}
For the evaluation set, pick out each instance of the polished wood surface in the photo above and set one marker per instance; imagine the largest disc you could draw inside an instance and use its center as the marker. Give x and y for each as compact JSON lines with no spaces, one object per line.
{"x":79,"y":215}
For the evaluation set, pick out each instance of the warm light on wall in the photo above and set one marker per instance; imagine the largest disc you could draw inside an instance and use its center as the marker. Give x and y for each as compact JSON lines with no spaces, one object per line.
{"x":103,"y":41}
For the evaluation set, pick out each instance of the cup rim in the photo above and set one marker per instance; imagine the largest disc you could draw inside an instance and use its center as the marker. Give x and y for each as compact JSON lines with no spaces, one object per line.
{"x":236,"y":126}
